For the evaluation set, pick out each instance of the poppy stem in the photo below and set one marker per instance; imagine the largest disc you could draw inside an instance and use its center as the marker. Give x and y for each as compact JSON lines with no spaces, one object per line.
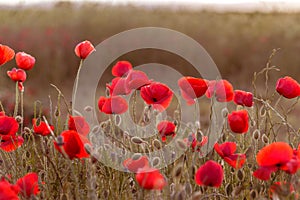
{"x":17,"y":100}
{"x":22,"y":109}
{"x":76,"y":83}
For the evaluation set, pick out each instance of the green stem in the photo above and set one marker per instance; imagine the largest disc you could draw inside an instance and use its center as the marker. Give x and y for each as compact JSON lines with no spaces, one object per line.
{"x":17,"y":100}
{"x":22,"y":110}
{"x":76,"y":82}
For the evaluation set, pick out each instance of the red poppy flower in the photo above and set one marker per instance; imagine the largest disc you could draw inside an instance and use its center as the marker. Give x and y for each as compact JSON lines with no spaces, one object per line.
{"x":25,"y":61}
{"x":6,"y":54}
{"x":121,"y":68}
{"x":28,"y":185}
{"x":238,"y":121}
{"x":275,"y":154}
{"x":264,"y":173}
{"x":227,"y":152}
{"x":17,"y":75}
{"x":42,"y":128}
{"x":192,"y":88}
{"x":78,"y":124}
{"x":166,"y":128}
{"x":84,"y":49}
{"x":118,"y":87}
{"x":158,"y":95}
{"x":112,"y":105}
{"x":150,"y":179}
{"x":271,"y":158}
{"x":279,"y":187}
{"x":136,"y":79}
{"x":8,"y":191}
{"x":8,"y":127}
{"x":12,"y":143}
{"x":243,"y":98}
{"x":222,"y":89}
{"x":73,"y":145}
{"x":288,"y":87}
{"x":134,"y":165}
{"x":195,"y":144}
{"x":210,"y":174}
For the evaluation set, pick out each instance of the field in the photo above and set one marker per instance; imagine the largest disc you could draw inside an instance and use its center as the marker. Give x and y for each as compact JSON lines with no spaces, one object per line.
{"x":234,"y":147}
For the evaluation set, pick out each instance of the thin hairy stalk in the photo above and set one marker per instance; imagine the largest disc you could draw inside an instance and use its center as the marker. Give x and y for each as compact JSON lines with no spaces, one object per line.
{"x":17,"y":100}
{"x":76,"y":82}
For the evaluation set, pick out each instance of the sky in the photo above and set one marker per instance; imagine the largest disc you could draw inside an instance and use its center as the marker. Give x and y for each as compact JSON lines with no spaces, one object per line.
{"x":265,"y":5}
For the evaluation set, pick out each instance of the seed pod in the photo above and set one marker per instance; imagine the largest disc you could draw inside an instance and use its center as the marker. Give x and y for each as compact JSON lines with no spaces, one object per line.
{"x":118,"y":120}
{"x":253,"y":194}
{"x":224,"y":112}
{"x":96,"y":129}
{"x":228,"y":189}
{"x":88,"y":108}
{"x":180,"y":195}
{"x":188,"y":188}
{"x":19,"y":119}
{"x":252,"y":123}
{"x":57,"y":112}
{"x":136,"y":156}
{"x":237,"y":190}
{"x":137,"y":140}
{"x":157,"y":144}
{"x":156,"y":162}
{"x":199,"y":135}
{"x":240,"y":175}
{"x":265,"y":139}
{"x":177,"y":171}
{"x":256,"y":134}
{"x":27,"y":130}
{"x":262,"y":111}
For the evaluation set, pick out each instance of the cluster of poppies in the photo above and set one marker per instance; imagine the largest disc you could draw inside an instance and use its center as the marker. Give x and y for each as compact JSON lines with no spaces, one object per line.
{"x":71,"y":142}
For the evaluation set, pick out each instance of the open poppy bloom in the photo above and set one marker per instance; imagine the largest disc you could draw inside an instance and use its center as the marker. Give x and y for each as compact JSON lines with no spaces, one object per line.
{"x":112,"y":105}
{"x":288,"y":87}
{"x":192,"y":88}
{"x":238,"y":121}
{"x":8,"y":191}
{"x":8,"y":127}
{"x":134,"y":165}
{"x":293,"y":165}
{"x":209,"y":174}
{"x":84,"y":49}
{"x":135,"y":79}
{"x":195,"y":144}
{"x":17,"y":75}
{"x":227,"y":152}
{"x":12,"y":143}
{"x":73,"y":145}
{"x":118,"y":87}
{"x":78,"y":124}
{"x":25,"y":61}
{"x":222,"y":90}
{"x":41,"y":128}
{"x":121,"y":68}
{"x":158,"y":95}
{"x":243,"y":98}
{"x":6,"y":54}
{"x":271,"y":158}
{"x":166,"y":128}
{"x":150,"y":179}
{"x":28,"y":185}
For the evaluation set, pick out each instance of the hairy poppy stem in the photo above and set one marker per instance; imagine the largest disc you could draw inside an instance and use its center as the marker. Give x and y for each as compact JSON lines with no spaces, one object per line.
{"x":76,"y":82}
{"x":17,"y":100}
{"x":22,"y":109}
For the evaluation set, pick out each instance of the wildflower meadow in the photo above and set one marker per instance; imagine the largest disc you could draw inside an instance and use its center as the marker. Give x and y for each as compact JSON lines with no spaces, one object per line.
{"x":55,"y":152}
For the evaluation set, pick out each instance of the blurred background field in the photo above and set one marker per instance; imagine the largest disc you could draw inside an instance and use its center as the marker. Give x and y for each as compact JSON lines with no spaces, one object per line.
{"x":239,"y":43}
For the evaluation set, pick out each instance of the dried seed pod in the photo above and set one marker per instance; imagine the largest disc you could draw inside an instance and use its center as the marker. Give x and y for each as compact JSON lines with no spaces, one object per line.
{"x":19,"y":119}
{"x":180,"y":195}
{"x":172,"y":188}
{"x":199,"y":135}
{"x":237,"y":191}
{"x":60,"y":140}
{"x":265,"y":139}
{"x":228,"y":189}
{"x":27,"y":130}
{"x":88,"y":108}
{"x":256,"y":134}
{"x":96,"y":129}
{"x":188,"y":188}
{"x":156,"y":162}
{"x":253,"y":194}
{"x":224,"y":112}
{"x":262,"y":111}
{"x":240,"y":175}
{"x":252,"y":123}
{"x":137,"y":140}
{"x":118,"y":120}
{"x":157,"y":144}
{"x":136,"y":156}
{"x":177,"y":171}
